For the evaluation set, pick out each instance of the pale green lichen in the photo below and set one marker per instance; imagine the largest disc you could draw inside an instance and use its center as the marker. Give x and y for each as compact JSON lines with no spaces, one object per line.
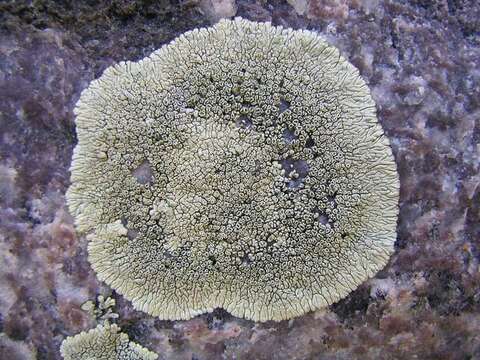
{"x":240,"y":166}
{"x":105,"y":342}
{"x":103,"y":311}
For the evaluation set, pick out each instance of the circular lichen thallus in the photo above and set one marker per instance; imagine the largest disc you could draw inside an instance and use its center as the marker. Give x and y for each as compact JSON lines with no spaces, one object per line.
{"x":241,"y":166}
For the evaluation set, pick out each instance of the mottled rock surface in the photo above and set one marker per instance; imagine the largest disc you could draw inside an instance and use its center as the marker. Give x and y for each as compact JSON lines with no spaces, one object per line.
{"x":422,"y":61}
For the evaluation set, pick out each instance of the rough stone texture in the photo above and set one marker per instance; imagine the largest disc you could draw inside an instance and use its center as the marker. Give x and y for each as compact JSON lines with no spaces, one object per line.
{"x":421,"y":59}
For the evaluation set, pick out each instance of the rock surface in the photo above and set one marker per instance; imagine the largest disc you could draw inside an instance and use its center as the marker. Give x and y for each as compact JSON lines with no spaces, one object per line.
{"x":422,"y":62}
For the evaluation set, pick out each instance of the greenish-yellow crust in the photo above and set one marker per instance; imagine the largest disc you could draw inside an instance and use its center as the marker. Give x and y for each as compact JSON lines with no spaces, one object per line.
{"x":105,"y":342}
{"x":241,"y":166}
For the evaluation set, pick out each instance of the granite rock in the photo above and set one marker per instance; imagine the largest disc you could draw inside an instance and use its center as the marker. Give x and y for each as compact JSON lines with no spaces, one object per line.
{"x":420,"y":58}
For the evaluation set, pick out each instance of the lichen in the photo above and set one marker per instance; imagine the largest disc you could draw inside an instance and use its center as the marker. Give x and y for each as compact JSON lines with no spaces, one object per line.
{"x":102,"y":310}
{"x":105,"y":342}
{"x":241,"y":166}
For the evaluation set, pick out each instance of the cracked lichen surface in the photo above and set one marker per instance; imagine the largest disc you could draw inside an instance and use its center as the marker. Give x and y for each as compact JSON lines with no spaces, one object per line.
{"x":240,"y":166}
{"x":105,"y":342}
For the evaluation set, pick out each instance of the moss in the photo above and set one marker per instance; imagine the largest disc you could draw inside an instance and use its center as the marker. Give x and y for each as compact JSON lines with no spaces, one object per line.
{"x":240,"y":166}
{"x":105,"y":342}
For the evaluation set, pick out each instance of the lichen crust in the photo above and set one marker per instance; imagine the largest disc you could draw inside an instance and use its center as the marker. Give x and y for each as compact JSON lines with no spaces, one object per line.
{"x":105,"y":342}
{"x":241,"y":166}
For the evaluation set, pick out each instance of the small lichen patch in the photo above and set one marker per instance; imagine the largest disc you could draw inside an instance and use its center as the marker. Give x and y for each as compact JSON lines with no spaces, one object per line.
{"x":105,"y":342}
{"x":244,"y":168}
{"x":102,"y":310}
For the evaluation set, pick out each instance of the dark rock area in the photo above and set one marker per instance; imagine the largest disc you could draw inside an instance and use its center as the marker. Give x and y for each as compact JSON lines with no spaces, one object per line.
{"x":421,"y":59}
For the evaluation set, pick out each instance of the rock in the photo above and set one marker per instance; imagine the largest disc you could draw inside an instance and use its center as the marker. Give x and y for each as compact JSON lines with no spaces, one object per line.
{"x":421,"y":61}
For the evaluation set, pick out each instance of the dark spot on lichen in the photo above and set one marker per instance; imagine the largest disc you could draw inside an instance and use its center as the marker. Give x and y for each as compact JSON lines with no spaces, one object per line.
{"x":243,"y":122}
{"x":245,"y":259}
{"x":289,"y":136}
{"x":309,"y":143}
{"x":321,"y":216}
{"x":257,"y":169}
{"x":296,"y":170}
{"x":332,"y":200}
{"x":131,"y":233}
{"x":283,"y":106}
{"x":143,"y":173}
{"x":213,"y":260}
